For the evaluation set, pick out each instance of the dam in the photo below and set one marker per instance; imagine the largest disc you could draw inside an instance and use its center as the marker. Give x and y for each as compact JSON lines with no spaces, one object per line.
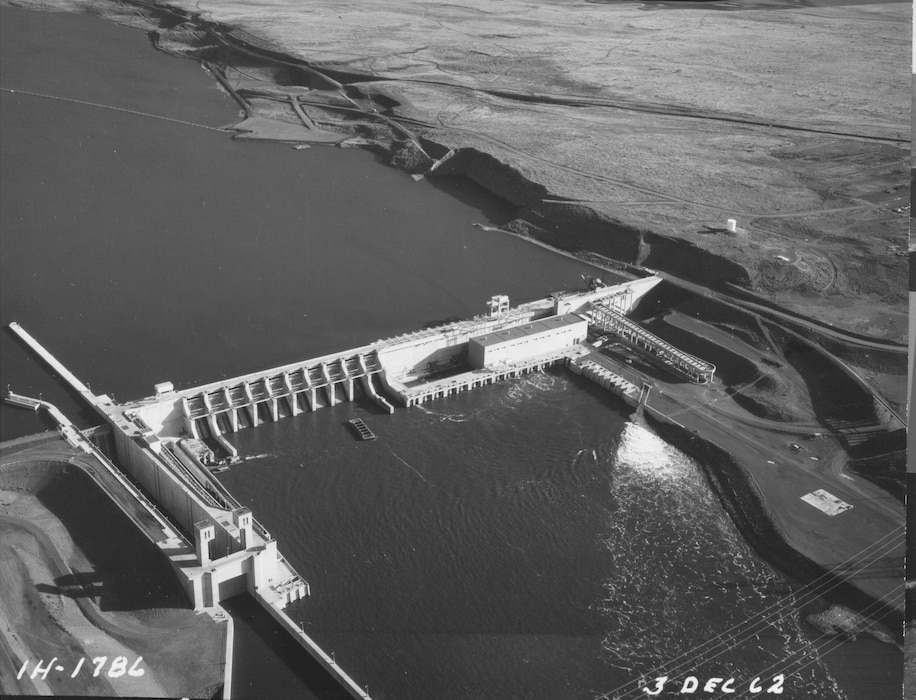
{"x":163,"y":449}
{"x":169,"y":445}
{"x":406,"y":370}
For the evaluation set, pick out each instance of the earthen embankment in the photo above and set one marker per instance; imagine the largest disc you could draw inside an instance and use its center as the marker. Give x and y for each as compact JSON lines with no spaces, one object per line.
{"x":388,"y":111}
{"x":747,"y":507}
{"x":106,"y":586}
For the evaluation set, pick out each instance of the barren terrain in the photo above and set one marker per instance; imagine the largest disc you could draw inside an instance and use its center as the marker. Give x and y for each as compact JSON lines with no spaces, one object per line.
{"x":70,"y":593}
{"x":667,"y":118}
{"x":633,"y":130}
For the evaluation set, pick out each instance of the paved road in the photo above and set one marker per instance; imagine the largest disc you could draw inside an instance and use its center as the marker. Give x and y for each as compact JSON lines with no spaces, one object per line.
{"x":783,"y":476}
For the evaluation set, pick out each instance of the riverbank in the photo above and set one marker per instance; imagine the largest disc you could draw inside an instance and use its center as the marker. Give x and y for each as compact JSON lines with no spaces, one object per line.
{"x":286,"y":96}
{"x":762,"y":468}
{"x":783,"y":419}
{"x":746,"y":505}
{"x":634,"y":141}
{"x":78,"y":587}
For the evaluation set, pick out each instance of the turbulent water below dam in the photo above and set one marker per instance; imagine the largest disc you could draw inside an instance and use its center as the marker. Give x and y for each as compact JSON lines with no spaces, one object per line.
{"x":526,"y":540}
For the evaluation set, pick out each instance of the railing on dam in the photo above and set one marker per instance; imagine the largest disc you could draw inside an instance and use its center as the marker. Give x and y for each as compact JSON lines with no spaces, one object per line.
{"x":181,"y":471}
{"x":610,"y":320}
{"x":214,"y":494}
{"x":441,"y":388}
{"x":261,"y":530}
{"x":466,"y":327}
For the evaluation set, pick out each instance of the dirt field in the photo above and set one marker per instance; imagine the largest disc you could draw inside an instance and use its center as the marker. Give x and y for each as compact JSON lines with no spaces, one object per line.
{"x":71,"y":594}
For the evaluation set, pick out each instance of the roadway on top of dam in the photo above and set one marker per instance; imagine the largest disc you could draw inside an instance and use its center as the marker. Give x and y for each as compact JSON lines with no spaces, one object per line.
{"x":369,"y":352}
{"x":332,"y":368}
{"x":282,"y":382}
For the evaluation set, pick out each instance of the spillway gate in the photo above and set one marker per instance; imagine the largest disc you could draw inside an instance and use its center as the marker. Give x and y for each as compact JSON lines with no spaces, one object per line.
{"x":290,"y":392}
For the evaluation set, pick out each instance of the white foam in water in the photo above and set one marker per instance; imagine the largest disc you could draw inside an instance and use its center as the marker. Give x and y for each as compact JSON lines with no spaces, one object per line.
{"x":519,"y":393}
{"x":683,"y":574}
{"x":542,"y":381}
{"x":646,"y":453}
{"x":531,"y":384}
{"x":453,"y":417}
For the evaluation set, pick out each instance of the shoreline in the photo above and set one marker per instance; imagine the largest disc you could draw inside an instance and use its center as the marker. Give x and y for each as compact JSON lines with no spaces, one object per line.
{"x":298,"y":101}
{"x":390,"y":118}
{"x":735,"y":489}
{"x":565,"y":226}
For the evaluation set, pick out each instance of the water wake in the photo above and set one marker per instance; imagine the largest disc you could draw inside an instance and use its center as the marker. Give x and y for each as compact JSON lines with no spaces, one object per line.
{"x":404,"y":462}
{"x":683,"y":575}
{"x":452,"y":417}
{"x":530,"y":385}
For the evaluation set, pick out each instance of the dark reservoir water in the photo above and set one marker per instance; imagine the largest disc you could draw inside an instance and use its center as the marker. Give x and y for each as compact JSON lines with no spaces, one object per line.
{"x":141,"y":250}
{"x":523,"y":541}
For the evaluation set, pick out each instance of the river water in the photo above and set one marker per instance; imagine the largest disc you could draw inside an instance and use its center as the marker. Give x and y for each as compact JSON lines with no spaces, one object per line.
{"x":528,"y":540}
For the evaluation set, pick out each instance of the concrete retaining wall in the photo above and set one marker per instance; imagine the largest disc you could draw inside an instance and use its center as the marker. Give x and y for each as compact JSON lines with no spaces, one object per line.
{"x":307,"y":643}
{"x":170,"y":493}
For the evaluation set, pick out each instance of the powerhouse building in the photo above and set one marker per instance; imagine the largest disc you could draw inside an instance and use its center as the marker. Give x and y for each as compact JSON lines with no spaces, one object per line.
{"x":521,"y":342}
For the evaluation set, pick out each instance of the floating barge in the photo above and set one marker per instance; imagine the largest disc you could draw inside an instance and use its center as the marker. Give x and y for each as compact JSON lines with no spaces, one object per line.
{"x":362,"y":429}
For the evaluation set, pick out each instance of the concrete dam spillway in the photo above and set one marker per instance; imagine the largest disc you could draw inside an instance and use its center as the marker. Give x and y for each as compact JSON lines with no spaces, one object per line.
{"x":408,"y":369}
{"x":164,"y":444}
